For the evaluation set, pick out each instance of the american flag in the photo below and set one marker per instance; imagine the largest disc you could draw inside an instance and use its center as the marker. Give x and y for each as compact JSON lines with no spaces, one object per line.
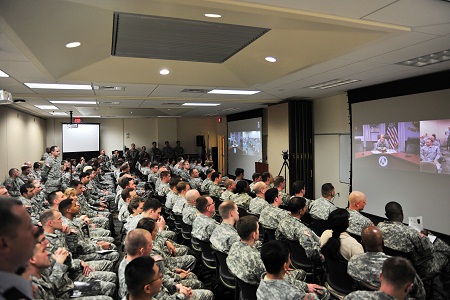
{"x":393,"y":135}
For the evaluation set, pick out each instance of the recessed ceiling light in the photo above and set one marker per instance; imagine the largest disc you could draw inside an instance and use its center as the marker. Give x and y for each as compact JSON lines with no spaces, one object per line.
{"x":271,"y":59}
{"x":425,"y":60}
{"x":73,"y":45}
{"x":73,"y":102}
{"x":3,"y":74}
{"x":168,"y":116}
{"x":56,"y":113}
{"x":46,"y":107}
{"x":57,"y":86}
{"x":87,"y":117}
{"x":164,"y":72}
{"x":200,"y":104}
{"x":233,"y":92}
{"x":332,"y":83}
{"x":213,"y":16}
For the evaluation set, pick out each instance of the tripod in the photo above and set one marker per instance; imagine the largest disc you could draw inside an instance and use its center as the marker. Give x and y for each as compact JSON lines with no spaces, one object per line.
{"x":284,"y":166}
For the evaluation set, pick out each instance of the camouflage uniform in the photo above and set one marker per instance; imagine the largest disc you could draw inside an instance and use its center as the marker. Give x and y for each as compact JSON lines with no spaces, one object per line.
{"x":171,"y":198}
{"x":293,"y":229}
{"x":428,"y":258}
{"x":30,"y":207}
{"x":244,"y":261}
{"x":132,"y":222}
{"x":270,"y":289}
{"x":321,"y":208}
{"x":163,"y":189}
{"x":366,"y":267}
{"x":152,"y":177}
{"x":226,"y":195}
{"x":189,"y":214}
{"x":195,"y":183}
{"x":36,"y":174}
{"x":179,"y":205}
{"x":223,"y":237}
{"x":377,"y":295}
{"x":51,"y":174}
{"x":357,"y":222}
{"x":215,"y":190}
{"x":203,"y":227}
{"x":205,"y":185}
{"x":257,"y":205}
{"x":13,"y":186}
{"x":430,"y":154}
{"x":284,"y":197}
{"x":242,"y":199}
{"x":185,"y":175}
{"x":271,"y":216}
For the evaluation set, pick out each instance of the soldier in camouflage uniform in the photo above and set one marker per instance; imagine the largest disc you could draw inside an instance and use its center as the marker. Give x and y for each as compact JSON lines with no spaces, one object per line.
{"x":275,"y":257}
{"x":357,"y":222}
{"x":229,"y":188}
{"x":13,"y":182}
{"x":272,"y":215}
{"x":172,"y":195}
{"x":226,"y":234}
{"x":214,"y":188}
{"x":431,"y":153}
{"x":366,"y":267}
{"x":428,"y":258}
{"x":258,"y":203}
{"x":244,"y":260}
{"x":26,"y":194}
{"x":241,"y":196}
{"x":292,"y":228}
{"x":51,"y":171}
{"x":280,"y":183}
{"x":36,"y":171}
{"x":204,"y":225}
{"x":397,"y":276}
{"x":256,"y":177}
{"x":26,"y":175}
{"x":182,"y":189}
{"x":163,"y":188}
{"x":321,"y":208}
{"x":184,"y":173}
{"x":207,"y":182}
{"x":195,"y":181}
{"x":190,"y":212}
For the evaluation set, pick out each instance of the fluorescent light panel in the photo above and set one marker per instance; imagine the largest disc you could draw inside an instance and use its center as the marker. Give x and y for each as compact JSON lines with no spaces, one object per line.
{"x":200,"y":104}
{"x":56,"y":113}
{"x":46,"y":107}
{"x":58,"y":86}
{"x":332,"y":83}
{"x":425,"y":60}
{"x":3,"y":74}
{"x":73,"y":102}
{"x":233,"y":92}
{"x":169,"y":116}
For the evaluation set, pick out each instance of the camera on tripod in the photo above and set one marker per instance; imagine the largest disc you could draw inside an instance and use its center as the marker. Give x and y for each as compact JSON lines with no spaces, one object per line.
{"x":285,"y":154}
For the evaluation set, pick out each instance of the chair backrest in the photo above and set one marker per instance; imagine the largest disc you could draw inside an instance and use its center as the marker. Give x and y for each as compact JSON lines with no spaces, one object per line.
{"x":299,"y":259}
{"x":393,"y":252}
{"x":217,"y":202}
{"x":337,"y":276}
{"x":242,"y":211}
{"x":269,"y":234}
{"x":222,"y":260}
{"x":248,"y":291}
{"x":162,"y":199}
{"x":355,"y":236}
{"x":178,"y":219}
{"x":207,"y":251}
{"x":320,"y":226}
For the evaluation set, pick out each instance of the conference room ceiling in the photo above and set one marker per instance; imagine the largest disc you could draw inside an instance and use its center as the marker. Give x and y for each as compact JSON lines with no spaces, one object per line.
{"x":359,"y":41}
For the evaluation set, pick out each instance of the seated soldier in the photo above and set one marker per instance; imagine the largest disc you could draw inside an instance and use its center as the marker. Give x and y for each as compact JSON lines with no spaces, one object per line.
{"x":204,"y":225}
{"x":357,"y":222}
{"x":280,"y":184}
{"x":190,"y":212}
{"x":229,"y":188}
{"x":143,"y":278}
{"x":214,"y":188}
{"x":258,"y":203}
{"x":241,"y":196}
{"x":321,"y":208}
{"x":225,"y":234}
{"x":272,"y":215}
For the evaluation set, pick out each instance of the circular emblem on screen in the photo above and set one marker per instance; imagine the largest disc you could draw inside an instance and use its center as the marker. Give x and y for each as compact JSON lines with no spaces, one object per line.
{"x":383,"y":161}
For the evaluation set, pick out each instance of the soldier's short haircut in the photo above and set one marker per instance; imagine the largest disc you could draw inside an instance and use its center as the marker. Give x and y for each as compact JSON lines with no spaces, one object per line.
{"x":274,"y":255}
{"x":152,"y":165}
{"x":173,"y":182}
{"x":23,"y":168}
{"x":326,"y":190}
{"x":245,"y":226}
{"x":146,"y":223}
{"x":295,"y":204}
{"x":277,"y":181}
{"x":271,"y":194}
{"x":125,"y":181}
{"x":228,"y":183}
{"x":51,"y":197}
{"x":9,"y":222}
{"x":398,"y":271}
{"x":65,"y":205}
{"x":255,"y":176}
{"x":138,"y":273}
{"x":135,"y":240}
{"x":126,"y":193}
{"x":265,"y":176}
{"x":46,"y":215}
{"x":83,"y":175}
{"x":202,"y":203}
{"x":258,"y":187}
{"x":393,"y":209}
{"x":191,"y":171}
{"x":208,"y":171}
{"x":151,"y":204}
{"x":52,"y":148}
{"x":164,"y":174}
{"x":124,"y":166}
{"x":24,"y":187}
{"x":181,"y":186}
{"x":75,"y":183}
{"x":238,"y":172}
{"x":226,"y":207}
{"x":241,"y":186}
{"x":11,"y":171}
{"x":36,"y":165}
{"x":134,"y":203}
{"x":297,"y":187}
{"x":214,"y":176}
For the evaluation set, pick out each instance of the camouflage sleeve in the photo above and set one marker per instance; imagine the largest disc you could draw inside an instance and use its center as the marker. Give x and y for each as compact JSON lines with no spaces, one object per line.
{"x":59,"y":278}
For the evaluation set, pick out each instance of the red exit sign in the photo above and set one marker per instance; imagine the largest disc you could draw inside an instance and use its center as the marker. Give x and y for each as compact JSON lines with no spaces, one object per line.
{"x":77,"y":120}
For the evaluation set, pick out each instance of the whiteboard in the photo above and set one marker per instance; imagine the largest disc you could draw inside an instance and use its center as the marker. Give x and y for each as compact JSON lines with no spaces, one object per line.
{"x":344,"y":158}
{"x":82,"y":138}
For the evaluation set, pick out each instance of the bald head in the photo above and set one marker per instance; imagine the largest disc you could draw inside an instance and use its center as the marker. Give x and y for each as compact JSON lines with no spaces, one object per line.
{"x":357,"y":201}
{"x":192,"y":195}
{"x":372,"y":239}
{"x":258,"y":187}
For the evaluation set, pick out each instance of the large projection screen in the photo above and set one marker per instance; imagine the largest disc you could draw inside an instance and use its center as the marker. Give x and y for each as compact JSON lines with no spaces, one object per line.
{"x":397,"y":173}
{"x":80,"y":138}
{"x":244,"y":145}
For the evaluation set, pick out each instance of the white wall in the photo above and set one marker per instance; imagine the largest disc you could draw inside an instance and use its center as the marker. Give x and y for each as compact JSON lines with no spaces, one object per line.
{"x":330,"y":119}
{"x":22,"y":138}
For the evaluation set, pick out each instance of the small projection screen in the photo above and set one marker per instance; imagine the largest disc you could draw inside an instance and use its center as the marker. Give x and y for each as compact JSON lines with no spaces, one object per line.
{"x":78,"y":138}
